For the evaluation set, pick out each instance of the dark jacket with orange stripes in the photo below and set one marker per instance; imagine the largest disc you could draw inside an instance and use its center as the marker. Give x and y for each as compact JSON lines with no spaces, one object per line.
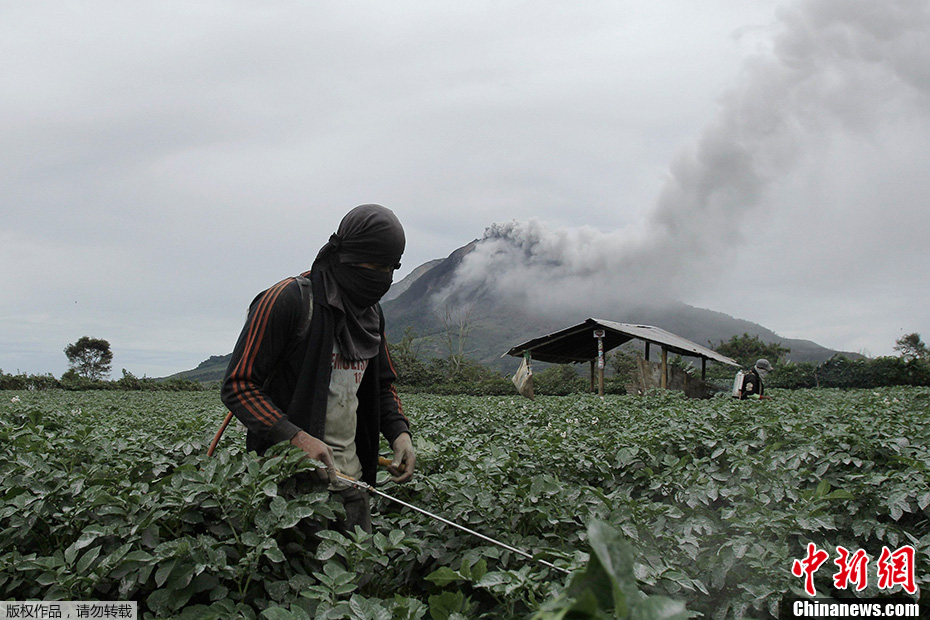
{"x":277,"y":384}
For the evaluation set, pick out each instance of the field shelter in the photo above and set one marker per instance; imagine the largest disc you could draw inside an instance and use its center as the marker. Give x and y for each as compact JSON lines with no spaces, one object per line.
{"x":590,"y":340}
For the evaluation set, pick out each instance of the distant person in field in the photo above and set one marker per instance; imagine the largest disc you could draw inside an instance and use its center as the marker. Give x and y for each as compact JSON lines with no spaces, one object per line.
{"x":325,"y":384}
{"x":751,"y":382}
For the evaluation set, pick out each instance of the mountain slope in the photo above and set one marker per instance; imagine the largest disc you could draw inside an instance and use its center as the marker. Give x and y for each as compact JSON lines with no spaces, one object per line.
{"x":435,"y":309}
{"x":432,"y":303}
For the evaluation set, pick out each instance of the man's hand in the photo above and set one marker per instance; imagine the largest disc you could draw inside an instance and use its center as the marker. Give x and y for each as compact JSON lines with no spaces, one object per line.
{"x":403,"y":455}
{"x":318,"y":451}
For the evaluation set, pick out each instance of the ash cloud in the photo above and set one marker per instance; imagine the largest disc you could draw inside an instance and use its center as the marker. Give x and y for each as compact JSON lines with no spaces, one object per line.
{"x":833,"y":68}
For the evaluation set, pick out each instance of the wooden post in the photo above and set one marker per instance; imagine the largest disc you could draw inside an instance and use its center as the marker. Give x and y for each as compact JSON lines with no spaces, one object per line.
{"x":647,"y":351}
{"x":592,"y":375}
{"x":664,"y":368}
{"x":599,"y":334}
{"x":703,"y":368}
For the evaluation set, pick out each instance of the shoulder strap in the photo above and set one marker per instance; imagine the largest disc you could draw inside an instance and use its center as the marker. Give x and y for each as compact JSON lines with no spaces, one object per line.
{"x":306,"y":294}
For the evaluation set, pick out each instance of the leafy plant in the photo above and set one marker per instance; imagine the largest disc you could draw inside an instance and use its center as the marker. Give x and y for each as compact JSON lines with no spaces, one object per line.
{"x":654,"y":505}
{"x":607,"y":587}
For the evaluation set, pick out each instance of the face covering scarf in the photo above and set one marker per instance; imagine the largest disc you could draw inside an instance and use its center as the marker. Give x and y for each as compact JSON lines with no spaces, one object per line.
{"x":367,"y":234}
{"x":362,"y":286}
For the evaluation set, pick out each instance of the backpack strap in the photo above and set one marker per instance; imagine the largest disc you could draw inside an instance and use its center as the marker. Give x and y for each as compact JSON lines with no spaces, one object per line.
{"x":306,"y":294}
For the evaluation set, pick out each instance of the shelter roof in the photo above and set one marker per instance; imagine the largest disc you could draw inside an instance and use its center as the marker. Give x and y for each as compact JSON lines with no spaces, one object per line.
{"x":578,"y":344}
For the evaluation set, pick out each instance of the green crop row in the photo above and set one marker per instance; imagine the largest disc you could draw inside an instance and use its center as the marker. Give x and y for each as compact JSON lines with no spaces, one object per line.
{"x":656,"y":506}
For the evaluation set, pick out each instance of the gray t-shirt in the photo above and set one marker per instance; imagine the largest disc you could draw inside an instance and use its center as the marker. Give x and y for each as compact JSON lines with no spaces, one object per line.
{"x":341,"y":412}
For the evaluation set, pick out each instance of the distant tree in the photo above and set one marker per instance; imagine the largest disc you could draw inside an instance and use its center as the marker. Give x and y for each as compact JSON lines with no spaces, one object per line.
{"x":90,"y":357}
{"x":456,"y":324}
{"x":911,"y":347}
{"x":747,"y":349}
{"x":560,"y":380}
{"x":625,"y":365}
{"x":405,"y":356}
{"x":407,"y":349}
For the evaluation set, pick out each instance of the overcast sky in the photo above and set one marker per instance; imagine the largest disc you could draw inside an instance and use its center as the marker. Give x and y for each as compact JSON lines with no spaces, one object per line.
{"x":161,"y":163}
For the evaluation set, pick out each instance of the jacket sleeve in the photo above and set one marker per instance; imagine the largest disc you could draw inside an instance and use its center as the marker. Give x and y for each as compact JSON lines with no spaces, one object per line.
{"x":263,"y":344}
{"x":393,"y":420}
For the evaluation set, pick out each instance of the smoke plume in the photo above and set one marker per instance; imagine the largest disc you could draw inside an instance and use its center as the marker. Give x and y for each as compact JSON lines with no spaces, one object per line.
{"x":834,"y":67}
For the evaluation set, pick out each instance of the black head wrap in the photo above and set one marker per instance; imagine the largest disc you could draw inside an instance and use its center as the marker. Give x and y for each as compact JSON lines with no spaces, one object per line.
{"x":367,"y":234}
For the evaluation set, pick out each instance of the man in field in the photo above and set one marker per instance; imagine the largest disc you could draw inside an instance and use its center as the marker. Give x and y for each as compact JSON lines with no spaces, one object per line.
{"x":311,"y":365}
{"x":751,"y":382}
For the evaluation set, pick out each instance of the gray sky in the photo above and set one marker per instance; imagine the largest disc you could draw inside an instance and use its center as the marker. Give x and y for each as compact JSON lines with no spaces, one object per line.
{"x":162,"y":163}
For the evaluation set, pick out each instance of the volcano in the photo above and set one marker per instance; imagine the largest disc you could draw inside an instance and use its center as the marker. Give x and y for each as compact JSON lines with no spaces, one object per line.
{"x":435,"y":302}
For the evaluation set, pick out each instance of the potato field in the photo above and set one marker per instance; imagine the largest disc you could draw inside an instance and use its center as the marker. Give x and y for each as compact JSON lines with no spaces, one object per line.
{"x":655,"y":507}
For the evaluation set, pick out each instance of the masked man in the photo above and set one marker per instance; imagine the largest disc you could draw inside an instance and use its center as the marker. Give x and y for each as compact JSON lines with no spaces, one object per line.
{"x":311,"y":365}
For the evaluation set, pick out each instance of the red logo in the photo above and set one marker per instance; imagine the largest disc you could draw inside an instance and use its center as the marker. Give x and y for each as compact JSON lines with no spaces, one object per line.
{"x":894,"y":568}
{"x":808,"y":566}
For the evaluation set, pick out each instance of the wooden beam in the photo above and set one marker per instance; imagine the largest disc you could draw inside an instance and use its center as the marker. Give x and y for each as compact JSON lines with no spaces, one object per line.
{"x":664,"y":368}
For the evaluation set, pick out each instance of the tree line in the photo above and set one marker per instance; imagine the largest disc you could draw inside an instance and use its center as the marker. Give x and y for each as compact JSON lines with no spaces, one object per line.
{"x":457,"y":374}
{"x":911,"y":365}
{"x":90,"y":360}
{"x":23,"y":381}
